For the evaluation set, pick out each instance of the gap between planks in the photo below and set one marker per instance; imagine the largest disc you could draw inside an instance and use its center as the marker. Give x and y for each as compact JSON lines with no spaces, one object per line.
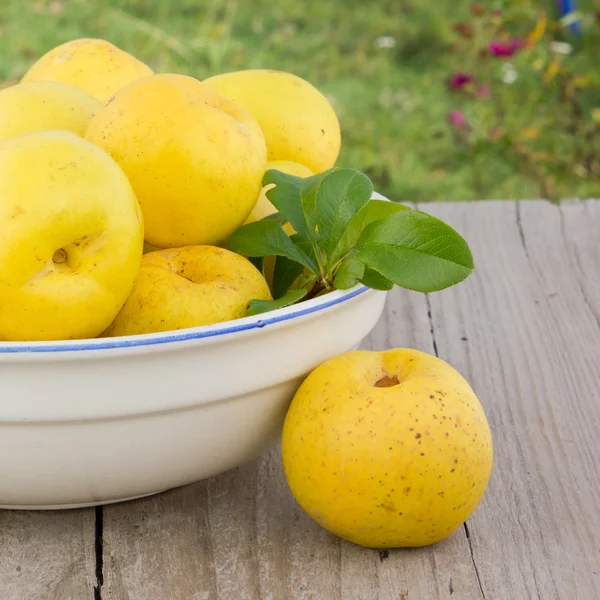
{"x":465,"y":525}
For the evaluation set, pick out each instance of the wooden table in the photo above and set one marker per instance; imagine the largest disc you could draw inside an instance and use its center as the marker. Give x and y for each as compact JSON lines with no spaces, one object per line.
{"x":524,"y":330}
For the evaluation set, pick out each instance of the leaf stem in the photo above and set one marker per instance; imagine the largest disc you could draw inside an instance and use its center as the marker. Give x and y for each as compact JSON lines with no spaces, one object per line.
{"x":331,"y":268}
{"x":319,"y":258}
{"x":320,"y":286}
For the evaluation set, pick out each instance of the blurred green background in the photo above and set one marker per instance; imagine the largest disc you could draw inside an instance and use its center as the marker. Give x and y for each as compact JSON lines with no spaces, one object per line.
{"x":383,"y":64}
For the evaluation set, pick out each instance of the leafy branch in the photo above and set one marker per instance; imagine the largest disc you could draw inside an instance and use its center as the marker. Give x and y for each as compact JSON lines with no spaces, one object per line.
{"x":343,"y":238}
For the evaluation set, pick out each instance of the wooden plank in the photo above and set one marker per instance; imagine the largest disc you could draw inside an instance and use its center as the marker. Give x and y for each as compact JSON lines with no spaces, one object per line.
{"x":583,"y":248}
{"x":242,"y":535}
{"x":47,"y":555}
{"x":528,"y":339}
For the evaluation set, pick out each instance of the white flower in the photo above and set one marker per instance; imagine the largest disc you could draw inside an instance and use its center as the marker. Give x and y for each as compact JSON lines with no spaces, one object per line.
{"x":385,"y":41}
{"x":509,"y":73}
{"x":561,"y":47}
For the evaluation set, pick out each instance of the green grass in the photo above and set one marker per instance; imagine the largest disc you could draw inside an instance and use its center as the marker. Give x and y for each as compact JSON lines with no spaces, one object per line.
{"x":392,"y":102}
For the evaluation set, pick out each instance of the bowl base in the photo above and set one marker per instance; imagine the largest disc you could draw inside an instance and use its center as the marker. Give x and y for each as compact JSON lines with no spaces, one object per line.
{"x":77,"y":505}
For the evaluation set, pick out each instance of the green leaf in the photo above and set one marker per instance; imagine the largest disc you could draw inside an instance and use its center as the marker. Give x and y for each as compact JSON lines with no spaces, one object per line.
{"x":372,"y":279}
{"x":348,"y":274}
{"x":415,"y":251}
{"x":307,"y":281}
{"x":285,"y":273}
{"x":308,"y":197}
{"x":256,"y":307}
{"x":341,"y":195}
{"x":276,"y":216}
{"x":258,"y":262}
{"x":285,"y":197}
{"x":374,"y":210}
{"x":267,"y":238}
{"x":301,"y":242}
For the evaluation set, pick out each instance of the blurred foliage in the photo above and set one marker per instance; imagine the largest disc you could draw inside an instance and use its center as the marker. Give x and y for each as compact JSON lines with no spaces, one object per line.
{"x":529,"y":93}
{"x":386,"y":67}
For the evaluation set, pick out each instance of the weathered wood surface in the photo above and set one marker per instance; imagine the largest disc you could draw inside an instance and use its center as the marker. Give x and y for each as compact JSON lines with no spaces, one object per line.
{"x":47,"y":556}
{"x":524,"y":330}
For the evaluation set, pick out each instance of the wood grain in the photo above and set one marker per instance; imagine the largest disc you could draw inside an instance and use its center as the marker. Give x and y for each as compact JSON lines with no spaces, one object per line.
{"x":525,"y":336}
{"x":580,"y":226}
{"x":47,"y":556}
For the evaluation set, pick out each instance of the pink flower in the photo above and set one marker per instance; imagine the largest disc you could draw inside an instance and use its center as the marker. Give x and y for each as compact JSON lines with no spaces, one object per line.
{"x":457,"y":119}
{"x":482,"y":91}
{"x":459,"y":80}
{"x":507,"y":48}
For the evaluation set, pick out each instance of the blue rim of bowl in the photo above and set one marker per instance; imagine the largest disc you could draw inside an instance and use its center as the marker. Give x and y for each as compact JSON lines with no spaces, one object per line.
{"x":196,"y":333}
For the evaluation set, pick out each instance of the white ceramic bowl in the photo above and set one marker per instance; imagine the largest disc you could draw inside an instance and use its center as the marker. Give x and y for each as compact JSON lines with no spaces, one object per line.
{"x":103,"y":420}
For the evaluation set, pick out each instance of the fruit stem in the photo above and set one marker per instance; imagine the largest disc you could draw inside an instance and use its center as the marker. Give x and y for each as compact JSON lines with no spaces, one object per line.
{"x":59,"y":256}
{"x":387,"y":381}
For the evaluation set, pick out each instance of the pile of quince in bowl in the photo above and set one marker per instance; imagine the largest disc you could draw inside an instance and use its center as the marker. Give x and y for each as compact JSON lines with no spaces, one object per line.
{"x":133,"y":203}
